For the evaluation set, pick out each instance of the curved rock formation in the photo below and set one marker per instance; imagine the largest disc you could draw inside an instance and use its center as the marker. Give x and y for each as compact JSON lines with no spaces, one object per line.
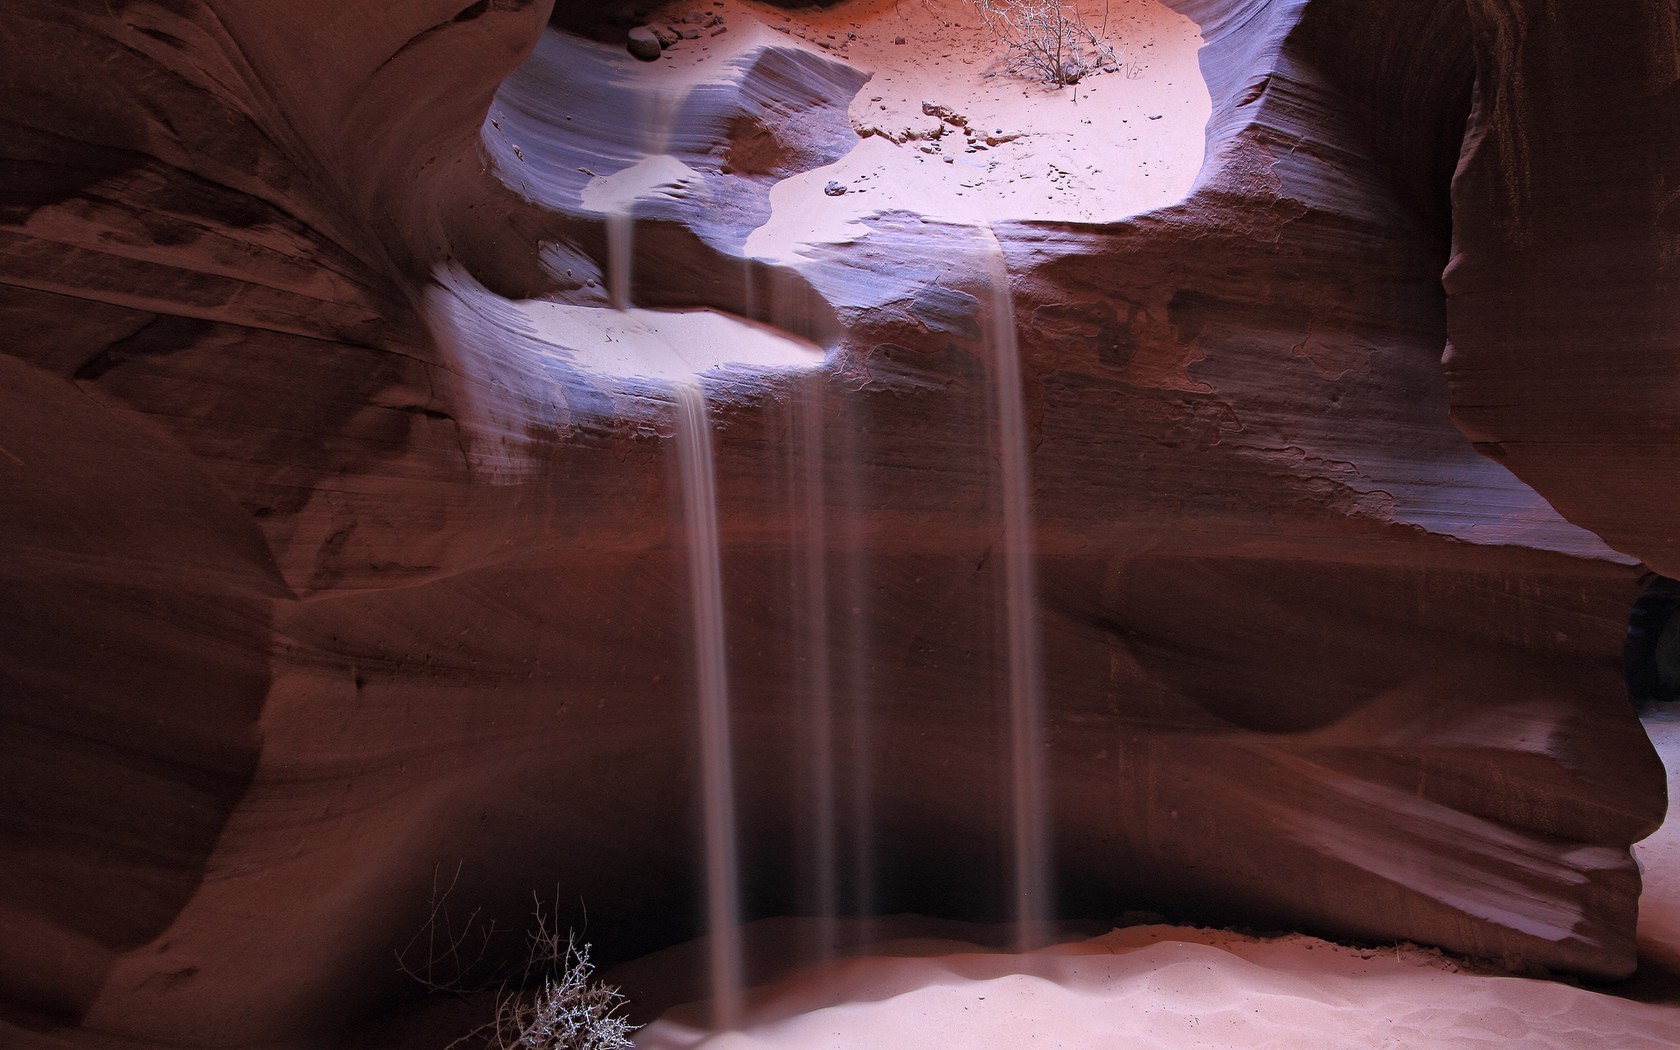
{"x":1562,"y":323}
{"x":343,"y":541}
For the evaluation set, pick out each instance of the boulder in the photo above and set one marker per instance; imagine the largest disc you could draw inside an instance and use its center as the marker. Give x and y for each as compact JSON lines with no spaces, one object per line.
{"x":643,"y":42}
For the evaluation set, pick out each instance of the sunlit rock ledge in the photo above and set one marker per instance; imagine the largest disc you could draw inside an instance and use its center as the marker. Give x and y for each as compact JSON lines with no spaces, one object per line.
{"x":344,"y":542}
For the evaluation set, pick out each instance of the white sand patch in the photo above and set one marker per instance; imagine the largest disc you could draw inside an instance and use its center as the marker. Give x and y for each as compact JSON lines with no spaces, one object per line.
{"x":508,"y":345}
{"x":1171,"y":987}
{"x":660,"y":175}
{"x":945,"y":131}
{"x":663,"y":345}
{"x":1113,"y":145}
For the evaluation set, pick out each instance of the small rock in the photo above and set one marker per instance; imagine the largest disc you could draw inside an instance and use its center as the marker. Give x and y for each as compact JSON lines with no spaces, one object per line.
{"x":944,"y":113}
{"x":719,"y":30}
{"x":834,"y":189}
{"x":689,"y":34}
{"x":643,"y":43}
{"x":666,"y":34}
{"x":898,"y":40}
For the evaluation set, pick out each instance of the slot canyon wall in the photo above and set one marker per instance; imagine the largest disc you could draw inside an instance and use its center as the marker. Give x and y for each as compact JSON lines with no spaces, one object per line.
{"x":331,"y":564}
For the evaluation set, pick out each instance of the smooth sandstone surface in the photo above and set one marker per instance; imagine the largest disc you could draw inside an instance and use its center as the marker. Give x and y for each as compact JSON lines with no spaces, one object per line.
{"x":342,"y":537}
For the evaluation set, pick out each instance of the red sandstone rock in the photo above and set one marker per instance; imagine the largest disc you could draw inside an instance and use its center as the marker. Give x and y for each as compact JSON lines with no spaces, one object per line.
{"x":323,"y":569}
{"x":1561,"y":317}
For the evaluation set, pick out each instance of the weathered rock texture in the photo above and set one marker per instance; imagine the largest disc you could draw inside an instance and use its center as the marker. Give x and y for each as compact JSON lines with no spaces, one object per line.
{"x":324,"y":570}
{"x":1562,"y":311}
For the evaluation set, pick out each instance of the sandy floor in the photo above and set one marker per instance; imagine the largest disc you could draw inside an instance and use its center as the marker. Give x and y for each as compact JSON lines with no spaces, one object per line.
{"x":946,"y":131}
{"x":1115,"y":144}
{"x":1164,"y":986}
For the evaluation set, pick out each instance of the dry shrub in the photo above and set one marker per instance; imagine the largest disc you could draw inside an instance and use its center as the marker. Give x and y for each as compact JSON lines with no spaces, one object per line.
{"x":551,"y":1002}
{"x":1047,"y":39}
{"x":571,"y":1011}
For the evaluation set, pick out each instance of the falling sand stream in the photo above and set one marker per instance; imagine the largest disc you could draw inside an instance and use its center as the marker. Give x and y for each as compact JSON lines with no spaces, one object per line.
{"x":1030,"y":812}
{"x":705,"y":573}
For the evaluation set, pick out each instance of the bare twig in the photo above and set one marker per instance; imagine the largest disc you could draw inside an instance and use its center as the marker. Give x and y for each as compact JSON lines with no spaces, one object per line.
{"x":443,"y":956}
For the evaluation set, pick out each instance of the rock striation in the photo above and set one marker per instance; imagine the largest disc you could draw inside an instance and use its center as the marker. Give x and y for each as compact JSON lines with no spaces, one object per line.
{"x":342,"y":533}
